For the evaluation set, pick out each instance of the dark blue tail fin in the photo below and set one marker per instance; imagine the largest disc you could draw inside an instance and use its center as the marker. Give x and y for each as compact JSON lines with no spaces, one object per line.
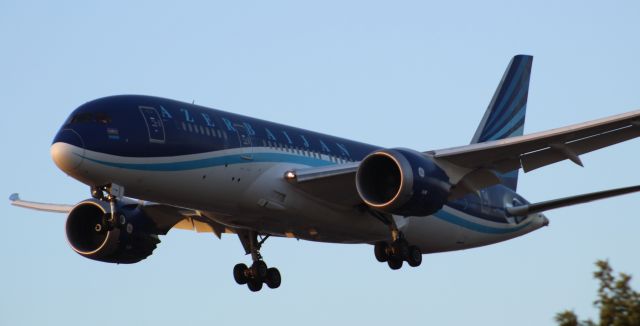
{"x":505,"y":115}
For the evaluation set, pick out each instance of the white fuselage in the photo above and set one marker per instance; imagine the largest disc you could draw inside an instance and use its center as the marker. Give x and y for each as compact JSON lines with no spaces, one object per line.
{"x":254,"y":195}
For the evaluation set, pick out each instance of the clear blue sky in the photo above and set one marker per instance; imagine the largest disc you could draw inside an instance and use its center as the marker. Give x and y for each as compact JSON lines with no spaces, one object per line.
{"x":397,"y":73}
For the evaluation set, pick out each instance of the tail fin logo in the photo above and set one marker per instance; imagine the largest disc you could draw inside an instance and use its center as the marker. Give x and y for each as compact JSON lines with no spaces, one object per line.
{"x":506,"y":112}
{"x":505,"y":115}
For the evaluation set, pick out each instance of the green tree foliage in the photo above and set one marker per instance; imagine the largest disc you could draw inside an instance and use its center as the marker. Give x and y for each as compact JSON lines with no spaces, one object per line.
{"x":619,"y":304}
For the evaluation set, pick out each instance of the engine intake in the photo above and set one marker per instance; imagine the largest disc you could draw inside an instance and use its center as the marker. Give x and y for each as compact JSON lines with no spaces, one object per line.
{"x":132,"y":240}
{"x":403,"y":182}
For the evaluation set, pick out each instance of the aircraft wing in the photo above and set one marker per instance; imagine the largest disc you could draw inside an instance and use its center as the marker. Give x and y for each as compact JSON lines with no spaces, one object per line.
{"x":524,"y":210}
{"x":164,"y":216}
{"x":536,"y":150}
{"x":45,"y":207}
{"x":167,"y":217}
{"x":335,"y":184}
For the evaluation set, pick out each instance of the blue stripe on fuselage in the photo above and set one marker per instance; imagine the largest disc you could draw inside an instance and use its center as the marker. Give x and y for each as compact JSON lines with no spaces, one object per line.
{"x":457,"y":220}
{"x":215,"y":161}
{"x":285,"y":158}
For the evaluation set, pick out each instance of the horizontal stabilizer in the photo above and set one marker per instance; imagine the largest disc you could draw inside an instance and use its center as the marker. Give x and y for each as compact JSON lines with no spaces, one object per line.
{"x":568,"y":201}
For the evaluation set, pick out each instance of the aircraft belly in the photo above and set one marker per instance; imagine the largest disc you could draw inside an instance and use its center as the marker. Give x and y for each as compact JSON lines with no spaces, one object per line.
{"x":273,"y":205}
{"x":256,"y":196}
{"x":250,"y":195}
{"x":450,"y":230}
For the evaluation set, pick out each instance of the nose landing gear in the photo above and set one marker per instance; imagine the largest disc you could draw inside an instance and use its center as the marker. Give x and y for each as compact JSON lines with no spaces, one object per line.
{"x":110,"y":193}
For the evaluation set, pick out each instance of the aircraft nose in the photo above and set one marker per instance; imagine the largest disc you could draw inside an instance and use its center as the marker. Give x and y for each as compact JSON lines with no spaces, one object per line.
{"x":67,"y":150}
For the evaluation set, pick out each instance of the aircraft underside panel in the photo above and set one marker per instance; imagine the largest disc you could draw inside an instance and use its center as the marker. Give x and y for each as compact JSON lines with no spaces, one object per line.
{"x":254,"y":195}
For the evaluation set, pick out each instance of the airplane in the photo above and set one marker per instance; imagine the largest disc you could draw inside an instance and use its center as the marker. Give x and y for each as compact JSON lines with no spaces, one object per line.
{"x":153,"y":164}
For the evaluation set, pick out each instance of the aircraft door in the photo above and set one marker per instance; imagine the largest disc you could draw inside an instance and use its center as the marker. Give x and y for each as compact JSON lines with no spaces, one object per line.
{"x":485,"y":202}
{"x":244,"y":140}
{"x":155,"y":127}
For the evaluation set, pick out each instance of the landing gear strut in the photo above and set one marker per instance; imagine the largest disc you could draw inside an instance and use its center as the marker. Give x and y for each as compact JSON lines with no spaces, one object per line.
{"x":258,"y":273}
{"x":398,"y":250}
{"x":109,"y":193}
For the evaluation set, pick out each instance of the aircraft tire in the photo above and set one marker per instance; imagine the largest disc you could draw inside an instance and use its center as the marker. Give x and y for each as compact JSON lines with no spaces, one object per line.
{"x":395,"y":263}
{"x":259,"y":269}
{"x":415,"y":256}
{"x":254,"y":285}
{"x":273,"y":278}
{"x":380,"y":250}
{"x":239,"y":273}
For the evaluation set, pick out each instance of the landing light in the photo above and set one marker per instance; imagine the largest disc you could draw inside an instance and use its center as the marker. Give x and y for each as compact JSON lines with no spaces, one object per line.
{"x":289,"y":175}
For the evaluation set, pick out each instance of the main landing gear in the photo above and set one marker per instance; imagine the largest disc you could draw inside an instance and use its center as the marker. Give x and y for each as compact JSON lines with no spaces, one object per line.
{"x":398,"y":250}
{"x":258,"y":273}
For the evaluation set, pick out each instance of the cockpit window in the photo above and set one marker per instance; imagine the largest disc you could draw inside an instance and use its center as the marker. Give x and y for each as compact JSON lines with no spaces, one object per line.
{"x":85,"y":117}
{"x":82,"y":118}
{"x":102,"y":118}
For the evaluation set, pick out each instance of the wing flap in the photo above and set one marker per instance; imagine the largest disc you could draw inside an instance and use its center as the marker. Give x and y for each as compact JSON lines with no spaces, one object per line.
{"x":552,"y":155}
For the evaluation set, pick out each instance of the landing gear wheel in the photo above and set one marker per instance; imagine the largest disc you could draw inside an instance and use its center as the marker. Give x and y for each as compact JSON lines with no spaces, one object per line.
{"x":258,"y":274}
{"x":259,"y":269}
{"x":273,"y":278}
{"x":394,"y":263}
{"x":254,"y":285}
{"x":239,"y":273}
{"x":401,"y":249}
{"x":380,"y":250}
{"x":415,"y":256}
{"x":398,"y":252}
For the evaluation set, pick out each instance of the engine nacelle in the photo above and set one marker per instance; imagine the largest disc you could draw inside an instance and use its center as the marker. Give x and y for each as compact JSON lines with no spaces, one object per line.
{"x":403,"y":182}
{"x":131,"y":240}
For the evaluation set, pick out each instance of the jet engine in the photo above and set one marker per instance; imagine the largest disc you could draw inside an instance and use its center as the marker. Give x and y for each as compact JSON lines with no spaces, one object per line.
{"x":403,"y":182}
{"x":126,"y":237}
